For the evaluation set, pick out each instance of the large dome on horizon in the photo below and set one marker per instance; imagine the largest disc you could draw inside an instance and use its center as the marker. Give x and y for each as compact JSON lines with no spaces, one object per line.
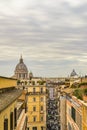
{"x":21,"y":71}
{"x":73,"y":74}
{"x":21,"y":67}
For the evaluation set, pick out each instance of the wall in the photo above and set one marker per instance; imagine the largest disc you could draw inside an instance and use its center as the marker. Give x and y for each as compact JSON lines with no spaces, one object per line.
{"x":7,"y":82}
{"x":84,"y":112}
{"x":63,"y":112}
{"x":6,"y":114}
{"x":37,"y":103}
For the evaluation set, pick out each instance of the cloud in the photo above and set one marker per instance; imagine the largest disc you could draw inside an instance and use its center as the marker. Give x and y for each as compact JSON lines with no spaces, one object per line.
{"x":51,"y":35}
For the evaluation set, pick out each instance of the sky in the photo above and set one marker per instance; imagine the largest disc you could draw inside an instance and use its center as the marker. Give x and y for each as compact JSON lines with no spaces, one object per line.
{"x":51,"y":35}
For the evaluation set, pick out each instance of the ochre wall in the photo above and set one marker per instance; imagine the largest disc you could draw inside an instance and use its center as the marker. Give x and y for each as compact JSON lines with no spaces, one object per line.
{"x":84,"y":112}
{"x":38,"y":103}
{"x":30,"y":88}
{"x":6,"y":114}
{"x":7,"y":82}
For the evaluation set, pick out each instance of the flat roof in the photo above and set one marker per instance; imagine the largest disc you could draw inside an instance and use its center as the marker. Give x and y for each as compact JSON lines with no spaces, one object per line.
{"x":9,"y":97}
{"x":7,"y":78}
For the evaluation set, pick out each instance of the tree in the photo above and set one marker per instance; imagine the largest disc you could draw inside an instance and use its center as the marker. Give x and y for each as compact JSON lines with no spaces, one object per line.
{"x":85,"y":91}
{"x":18,"y":82}
{"x":78,"y":93}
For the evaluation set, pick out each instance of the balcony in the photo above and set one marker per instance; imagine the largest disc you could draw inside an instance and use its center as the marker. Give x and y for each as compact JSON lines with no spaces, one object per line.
{"x":36,"y":93}
{"x":42,"y":112}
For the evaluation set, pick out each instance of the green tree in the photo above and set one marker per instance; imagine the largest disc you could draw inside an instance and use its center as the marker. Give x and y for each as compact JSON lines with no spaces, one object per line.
{"x":78,"y":93}
{"x":85,"y":91}
{"x":18,"y":82}
{"x":25,"y":82}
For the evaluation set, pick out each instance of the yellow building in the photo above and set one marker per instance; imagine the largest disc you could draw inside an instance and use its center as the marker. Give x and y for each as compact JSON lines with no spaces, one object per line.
{"x":76,"y":114}
{"x":6,"y":82}
{"x":84,"y":123}
{"x":73,"y":113}
{"x":36,"y":102}
{"x":12,"y":108}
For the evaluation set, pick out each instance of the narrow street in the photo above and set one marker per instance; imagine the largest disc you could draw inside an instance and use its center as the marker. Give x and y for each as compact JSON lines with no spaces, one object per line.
{"x":52,"y":117}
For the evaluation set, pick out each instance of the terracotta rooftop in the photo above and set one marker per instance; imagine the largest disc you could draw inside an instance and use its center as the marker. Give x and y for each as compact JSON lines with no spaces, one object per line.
{"x":9,"y":97}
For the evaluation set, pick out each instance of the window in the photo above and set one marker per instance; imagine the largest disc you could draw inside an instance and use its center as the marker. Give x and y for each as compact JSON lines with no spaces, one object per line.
{"x":42,"y":128}
{"x":26,"y":120}
{"x":23,"y":75}
{"x":34,"y":90}
{"x":34,"y":128}
{"x":19,"y":75}
{"x":34,"y":99}
{"x":15,"y":117}
{"x":73,"y":113}
{"x":26,"y":108}
{"x":34,"y":118}
{"x":41,"y":90}
{"x":34,"y":108}
{"x":41,"y":118}
{"x":5,"y":124}
{"x":41,"y":99}
{"x":41,"y":108}
{"x":11,"y":121}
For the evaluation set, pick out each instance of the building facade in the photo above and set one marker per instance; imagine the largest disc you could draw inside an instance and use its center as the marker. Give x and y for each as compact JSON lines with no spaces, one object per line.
{"x":12,"y":106}
{"x":36,"y":103}
{"x":73,"y":113}
{"x":62,"y":113}
{"x":84,"y":113}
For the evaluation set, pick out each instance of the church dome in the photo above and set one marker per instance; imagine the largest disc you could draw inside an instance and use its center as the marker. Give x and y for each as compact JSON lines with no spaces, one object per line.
{"x":73,"y":74}
{"x":21,"y":70}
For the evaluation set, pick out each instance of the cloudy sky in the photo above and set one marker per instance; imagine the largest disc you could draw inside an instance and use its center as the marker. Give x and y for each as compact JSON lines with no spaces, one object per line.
{"x":50,"y":34}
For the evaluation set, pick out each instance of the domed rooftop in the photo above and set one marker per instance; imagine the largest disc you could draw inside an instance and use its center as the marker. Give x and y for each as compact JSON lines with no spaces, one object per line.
{"x":73,"y":73}
{"x":21,"y":70}
{"x":21,"y":67}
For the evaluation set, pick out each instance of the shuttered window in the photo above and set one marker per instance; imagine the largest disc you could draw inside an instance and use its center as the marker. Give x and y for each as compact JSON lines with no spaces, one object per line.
{"x":5,"y":124}
{"x":11,"y":121}
{"x":41,"y":90}
{"x":42,"y":128}
{"x":34,"y":108}
{"x":41,"y":108}
{"x":15,"y":117}
{"x":34,"y":128}
{"x":73,"y":113}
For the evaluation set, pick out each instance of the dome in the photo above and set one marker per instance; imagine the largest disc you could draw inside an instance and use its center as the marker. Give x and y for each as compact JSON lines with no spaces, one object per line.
{"x":21,"y":67}
{"x":21,"y":70}
{"x":73,"y":73}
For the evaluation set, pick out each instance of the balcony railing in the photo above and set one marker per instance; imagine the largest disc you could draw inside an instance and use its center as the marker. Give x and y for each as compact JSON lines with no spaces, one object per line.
{"x":36,"y":93}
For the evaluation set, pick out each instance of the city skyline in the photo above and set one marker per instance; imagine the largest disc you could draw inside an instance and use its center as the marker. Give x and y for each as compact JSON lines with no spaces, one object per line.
{"x":50,"y":35}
